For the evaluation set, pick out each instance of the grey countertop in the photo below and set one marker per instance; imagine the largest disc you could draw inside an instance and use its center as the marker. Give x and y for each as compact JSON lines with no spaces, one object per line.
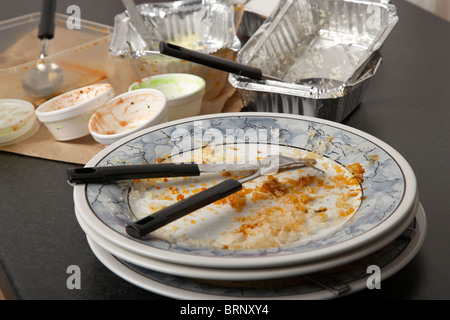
{"x":407,"y":106}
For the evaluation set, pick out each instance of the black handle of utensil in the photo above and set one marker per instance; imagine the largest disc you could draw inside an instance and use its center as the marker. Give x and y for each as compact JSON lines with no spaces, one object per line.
{"x":178,"y":210}
{"x":47,"y":23}
{"x":128,"y":172}
{"x":210,"y":61}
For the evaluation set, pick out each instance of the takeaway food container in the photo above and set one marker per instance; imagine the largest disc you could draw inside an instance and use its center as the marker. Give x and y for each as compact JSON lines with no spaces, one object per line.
{"x":325,"y":52}
{"x":208,"y":26}
{"x":255,"y":13}
{"x":81,"y":52}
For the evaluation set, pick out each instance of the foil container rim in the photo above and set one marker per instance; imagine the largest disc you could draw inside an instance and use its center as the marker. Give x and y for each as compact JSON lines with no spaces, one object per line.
{"x":272,"y":21}
{"x":123,"y":17}
{"x":256,"y":42}
{"x":308,"y":91}
{"x":140,"y":54}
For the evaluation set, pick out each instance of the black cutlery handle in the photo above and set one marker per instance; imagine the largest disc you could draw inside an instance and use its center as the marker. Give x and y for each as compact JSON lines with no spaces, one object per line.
{"x":47,"y":23}
{"x":129,"y":172}
{"x":178,"y":210}
{"x":210,"y":61}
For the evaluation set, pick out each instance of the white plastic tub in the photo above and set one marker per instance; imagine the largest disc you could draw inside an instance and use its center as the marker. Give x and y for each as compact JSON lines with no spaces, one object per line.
{"x":128,"y":113}
{"x":184,"y":92}
{"x":67,"y":116}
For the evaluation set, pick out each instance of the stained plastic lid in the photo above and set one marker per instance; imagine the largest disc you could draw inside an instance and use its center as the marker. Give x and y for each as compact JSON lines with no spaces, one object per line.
{"x":17,"y":121}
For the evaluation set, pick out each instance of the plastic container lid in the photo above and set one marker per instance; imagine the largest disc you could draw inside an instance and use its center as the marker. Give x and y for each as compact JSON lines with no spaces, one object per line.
{"x":17,"y":121}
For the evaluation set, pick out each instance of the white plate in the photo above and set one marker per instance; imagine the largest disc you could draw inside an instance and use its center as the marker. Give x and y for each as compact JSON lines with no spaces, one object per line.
{"x":348,"y":279}
{"x":390,"y":187}
{"x":228,"y":274}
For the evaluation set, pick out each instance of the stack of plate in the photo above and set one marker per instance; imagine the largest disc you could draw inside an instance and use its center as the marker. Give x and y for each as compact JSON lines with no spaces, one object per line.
{"x":187,"y":260}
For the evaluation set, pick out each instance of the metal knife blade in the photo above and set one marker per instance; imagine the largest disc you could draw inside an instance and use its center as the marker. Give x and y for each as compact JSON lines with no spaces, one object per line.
{"x":146,"y":171}
{"x":216,"y":167}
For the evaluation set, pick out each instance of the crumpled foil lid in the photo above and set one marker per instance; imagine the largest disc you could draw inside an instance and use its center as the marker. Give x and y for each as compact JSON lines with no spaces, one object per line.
{"x":319,"y":42}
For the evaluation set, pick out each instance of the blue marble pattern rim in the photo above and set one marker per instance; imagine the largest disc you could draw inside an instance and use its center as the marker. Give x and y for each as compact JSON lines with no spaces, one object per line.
{"x":389,"y":185}
{"x":390,"y":259}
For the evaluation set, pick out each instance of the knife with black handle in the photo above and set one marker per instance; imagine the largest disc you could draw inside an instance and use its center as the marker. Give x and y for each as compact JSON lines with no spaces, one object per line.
{"x":214,"y":62}
{"x":148,"y":171}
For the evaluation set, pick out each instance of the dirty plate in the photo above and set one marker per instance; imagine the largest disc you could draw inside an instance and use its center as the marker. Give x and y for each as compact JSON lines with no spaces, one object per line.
{"x":202,"y":273}
{"x":367,"y":192}
{"x":329,"y":284}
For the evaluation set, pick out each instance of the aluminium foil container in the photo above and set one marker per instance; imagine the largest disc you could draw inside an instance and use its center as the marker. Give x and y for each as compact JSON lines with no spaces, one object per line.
{"x":204,"y":25}
{"x":323,"y":51}
{"x":208,"y":26}
{"x":255,"y":13}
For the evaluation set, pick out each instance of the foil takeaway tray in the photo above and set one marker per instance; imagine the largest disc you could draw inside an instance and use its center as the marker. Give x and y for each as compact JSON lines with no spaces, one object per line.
{"x":204,"y":25}
{"x":256,"y":12}
{"x":208,"y":26}
{"x":325,"y":52}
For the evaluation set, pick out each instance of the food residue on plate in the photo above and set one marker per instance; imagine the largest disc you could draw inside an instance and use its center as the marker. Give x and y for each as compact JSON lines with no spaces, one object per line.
{"x":270,"y":211}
